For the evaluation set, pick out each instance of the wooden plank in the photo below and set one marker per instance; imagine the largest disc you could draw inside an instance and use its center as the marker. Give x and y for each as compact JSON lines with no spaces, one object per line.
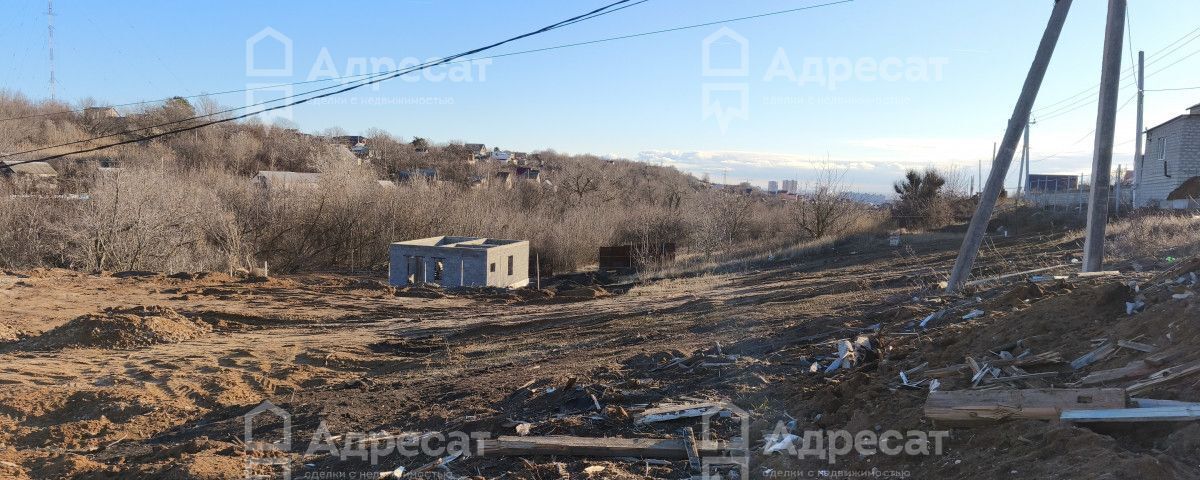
{"x":978,"y":406}
{"x":665,"y":448}
{"x":1136,"y":368}
{"x":1163,"y":377}
{"x":1154,"y":414}
{"x":675,"y":412}
{"x":1141,"y":347}
{"x":689,"y":446}
{"x":1100,"y":353}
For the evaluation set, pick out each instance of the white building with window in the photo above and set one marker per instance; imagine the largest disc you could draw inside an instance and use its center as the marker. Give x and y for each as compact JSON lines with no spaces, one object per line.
{"x":1172,"y":157}
{"x":460,"y":262}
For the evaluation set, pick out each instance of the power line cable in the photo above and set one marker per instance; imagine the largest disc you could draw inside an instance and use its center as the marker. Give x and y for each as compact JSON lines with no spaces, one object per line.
{"x":369,"y":80}
{"x":589,"y":16}
{"x":1130,"y":72}
{"x":372,"y":80}
{"x":510,"y":54}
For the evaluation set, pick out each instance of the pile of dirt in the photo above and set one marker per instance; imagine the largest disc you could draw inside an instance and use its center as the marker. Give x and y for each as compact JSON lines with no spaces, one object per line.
{"x":121,"y":328}
{"x":8,"y":334}
{"x":1188,"y":190}
{"x":421,"y":291}
{"x":581,"y":293}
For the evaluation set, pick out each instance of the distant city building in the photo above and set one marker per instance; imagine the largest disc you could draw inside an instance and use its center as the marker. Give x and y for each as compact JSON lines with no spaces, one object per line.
{"x":772,"y":186}
{"x":791,"y":186}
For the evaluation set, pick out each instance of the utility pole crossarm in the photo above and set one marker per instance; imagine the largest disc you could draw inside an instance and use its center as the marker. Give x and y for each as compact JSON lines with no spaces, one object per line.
{"x":1004,"y":158}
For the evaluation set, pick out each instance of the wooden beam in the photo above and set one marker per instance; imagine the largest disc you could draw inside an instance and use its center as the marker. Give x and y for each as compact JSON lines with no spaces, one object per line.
{"x":1136,"y":368}
{"x":978,"y":406}
{"x":1153,"y":414}
{"x":665,"y":448}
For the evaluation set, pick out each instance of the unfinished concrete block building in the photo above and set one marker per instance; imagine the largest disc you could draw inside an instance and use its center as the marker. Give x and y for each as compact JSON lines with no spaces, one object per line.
{"x":460,"y":262}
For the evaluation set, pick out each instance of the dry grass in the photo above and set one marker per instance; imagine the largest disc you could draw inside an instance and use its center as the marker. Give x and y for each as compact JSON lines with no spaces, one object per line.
{"x":1154,"y":236}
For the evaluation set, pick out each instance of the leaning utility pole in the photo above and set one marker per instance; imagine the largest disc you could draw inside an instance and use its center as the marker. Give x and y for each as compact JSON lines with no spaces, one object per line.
{"x":1138,"y":162}
{"x":1106,"y":121}
{"x":1003,"y":159}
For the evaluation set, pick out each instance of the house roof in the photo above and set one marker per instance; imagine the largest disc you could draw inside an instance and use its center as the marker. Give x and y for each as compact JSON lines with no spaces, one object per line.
{"x":474,"y":147}
{"x":31,"y":168}
{"x":459,"y":242}
{"x":287,"y":177}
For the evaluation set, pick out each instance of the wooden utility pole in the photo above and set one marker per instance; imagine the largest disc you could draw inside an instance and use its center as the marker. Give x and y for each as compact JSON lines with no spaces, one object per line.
{"x":1138,"y":162}
{"x":1106,"y":121}
{"x":1008,"y":147}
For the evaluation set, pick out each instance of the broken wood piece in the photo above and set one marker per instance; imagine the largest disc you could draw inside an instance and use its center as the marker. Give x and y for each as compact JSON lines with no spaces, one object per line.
{"x":666,"y":448}
{"x":1153,"y":414}
{"x":675,"y":412}
{"x":1105,"y":273}
{"x":689,"y":444}
{"x":1136,"y":368}
{"x":1141,"y":347}
{"x":1100,"y":353}
{"x":980,"y":406}
{"x":1162,"y":357}
{"x":1163,"y":377}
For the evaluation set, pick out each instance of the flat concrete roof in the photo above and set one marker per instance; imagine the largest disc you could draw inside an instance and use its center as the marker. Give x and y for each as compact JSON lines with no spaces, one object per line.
{"x":458,"y":242}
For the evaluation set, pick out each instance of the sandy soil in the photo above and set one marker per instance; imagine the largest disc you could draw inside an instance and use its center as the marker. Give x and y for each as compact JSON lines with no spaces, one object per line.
{"x":143,"y":375}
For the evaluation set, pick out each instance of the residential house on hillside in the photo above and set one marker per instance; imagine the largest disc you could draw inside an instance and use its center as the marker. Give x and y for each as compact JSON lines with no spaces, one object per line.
{"x":1172,"y":158}
{"x":30,"y":178}
{"x":477,"y":149}
{"x":275,"y":180}
{"x":357,"y":144}
{"x":97,"y":113}
{"x":419,"y":173}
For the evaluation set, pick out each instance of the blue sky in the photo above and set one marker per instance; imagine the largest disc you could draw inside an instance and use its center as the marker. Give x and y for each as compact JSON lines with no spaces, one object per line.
{"x":642,"y":98}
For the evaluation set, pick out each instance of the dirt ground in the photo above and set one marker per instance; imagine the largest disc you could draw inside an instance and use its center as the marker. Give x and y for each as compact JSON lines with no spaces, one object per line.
{"x":147,"y":375}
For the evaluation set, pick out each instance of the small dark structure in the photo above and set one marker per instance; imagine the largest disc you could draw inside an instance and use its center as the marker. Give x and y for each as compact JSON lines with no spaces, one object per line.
{"x":630,"y":258}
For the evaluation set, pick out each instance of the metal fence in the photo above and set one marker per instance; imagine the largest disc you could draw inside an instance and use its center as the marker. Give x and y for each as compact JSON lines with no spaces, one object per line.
{"x":1076,"y":200}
